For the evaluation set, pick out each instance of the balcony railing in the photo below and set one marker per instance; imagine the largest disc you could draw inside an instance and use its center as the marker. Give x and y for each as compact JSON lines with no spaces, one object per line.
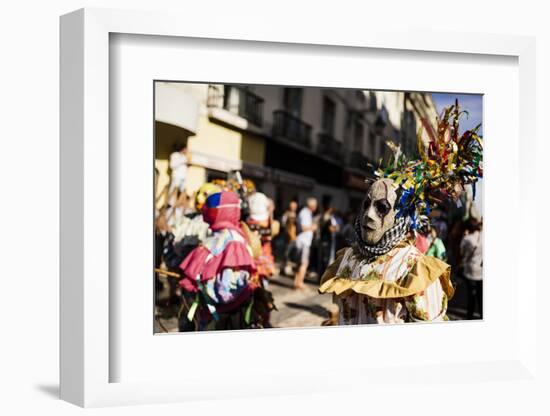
{"x":329,"y":146}
{"x":292,"y":128}
{"x":359,"y":161}
{"x":237,"y":100}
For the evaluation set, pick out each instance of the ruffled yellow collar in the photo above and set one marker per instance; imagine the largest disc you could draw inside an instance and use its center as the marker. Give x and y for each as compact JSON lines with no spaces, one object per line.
{"x":401,"y":272}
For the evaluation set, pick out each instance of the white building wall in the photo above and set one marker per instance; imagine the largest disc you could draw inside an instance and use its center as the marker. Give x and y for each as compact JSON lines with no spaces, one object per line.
{"x":178,"y":104}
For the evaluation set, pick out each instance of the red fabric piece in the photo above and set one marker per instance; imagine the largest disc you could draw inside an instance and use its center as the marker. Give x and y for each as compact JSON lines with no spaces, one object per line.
{"x":234,"y":256}
{"x":223,"y":210}
{"x":422,"y":243}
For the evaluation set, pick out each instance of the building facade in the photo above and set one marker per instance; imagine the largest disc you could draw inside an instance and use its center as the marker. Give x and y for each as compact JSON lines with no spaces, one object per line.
{"x":293,"y":142}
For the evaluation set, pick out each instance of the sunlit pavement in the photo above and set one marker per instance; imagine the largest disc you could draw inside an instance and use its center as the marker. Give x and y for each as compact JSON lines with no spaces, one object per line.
{"x":298,"y":308}
{"x":308,"y":308}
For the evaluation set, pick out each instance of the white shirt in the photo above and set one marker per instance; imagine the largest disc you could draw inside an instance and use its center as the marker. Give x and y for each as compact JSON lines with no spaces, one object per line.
{"x":178,"y":164}
{"x":305,"y":219}
{"x":472,"y":256}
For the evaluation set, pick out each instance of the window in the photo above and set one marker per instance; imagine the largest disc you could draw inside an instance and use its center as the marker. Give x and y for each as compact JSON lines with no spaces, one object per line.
{"x":329,"y":114}
{"x":292,"y":101}
{"x":360,"y":97}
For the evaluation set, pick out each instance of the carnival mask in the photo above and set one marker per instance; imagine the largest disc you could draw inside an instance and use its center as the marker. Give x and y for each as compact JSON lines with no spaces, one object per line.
{"x":377,"y":214}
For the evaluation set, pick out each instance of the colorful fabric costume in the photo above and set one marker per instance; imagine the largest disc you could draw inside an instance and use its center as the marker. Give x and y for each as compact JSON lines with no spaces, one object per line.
{"x":402,"y":285}
{"x":384,"y":278}
{"x":218,"y":275}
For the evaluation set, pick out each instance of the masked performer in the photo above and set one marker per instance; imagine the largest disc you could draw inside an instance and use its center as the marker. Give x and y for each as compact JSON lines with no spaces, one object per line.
{"x":218,"y":284}
{"x":243,"y":188}
{"x":383,"y":278}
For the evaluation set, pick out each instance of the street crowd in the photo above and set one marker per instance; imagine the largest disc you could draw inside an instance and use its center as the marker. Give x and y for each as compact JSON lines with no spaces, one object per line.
{"x":216,"y":251}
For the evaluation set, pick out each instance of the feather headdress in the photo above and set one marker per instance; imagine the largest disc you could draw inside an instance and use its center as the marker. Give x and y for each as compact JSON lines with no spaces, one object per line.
{"x":447,"y":161}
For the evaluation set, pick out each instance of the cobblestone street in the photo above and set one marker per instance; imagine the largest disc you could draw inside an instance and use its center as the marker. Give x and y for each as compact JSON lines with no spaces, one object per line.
{"x":295,"y":309}
{"x":298,"y":308}
{"x":308,"y":308}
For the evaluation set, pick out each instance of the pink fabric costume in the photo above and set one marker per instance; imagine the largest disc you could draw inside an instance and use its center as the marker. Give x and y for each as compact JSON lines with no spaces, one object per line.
{"x":221,"y":268}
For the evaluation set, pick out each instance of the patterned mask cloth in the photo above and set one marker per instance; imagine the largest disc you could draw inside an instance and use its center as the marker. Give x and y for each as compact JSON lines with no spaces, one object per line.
{"x":389,"y":240}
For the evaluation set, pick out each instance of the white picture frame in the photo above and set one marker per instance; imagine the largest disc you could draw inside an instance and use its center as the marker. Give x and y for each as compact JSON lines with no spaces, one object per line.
{"x":85,"y":353}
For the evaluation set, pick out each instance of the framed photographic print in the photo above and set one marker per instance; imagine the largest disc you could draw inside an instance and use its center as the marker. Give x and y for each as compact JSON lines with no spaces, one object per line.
{"x":290,"y":210}
{"x":235,"y":163}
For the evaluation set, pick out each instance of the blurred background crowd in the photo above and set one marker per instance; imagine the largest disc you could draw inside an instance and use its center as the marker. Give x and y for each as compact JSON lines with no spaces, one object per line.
{"x":298,"y":159}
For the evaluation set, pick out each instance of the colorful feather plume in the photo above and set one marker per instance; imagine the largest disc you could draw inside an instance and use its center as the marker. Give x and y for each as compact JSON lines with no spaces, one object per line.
{"x":447,"y":161}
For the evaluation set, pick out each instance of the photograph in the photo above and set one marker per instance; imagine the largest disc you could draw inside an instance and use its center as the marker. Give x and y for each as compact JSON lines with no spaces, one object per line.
{"x":293,"y":207}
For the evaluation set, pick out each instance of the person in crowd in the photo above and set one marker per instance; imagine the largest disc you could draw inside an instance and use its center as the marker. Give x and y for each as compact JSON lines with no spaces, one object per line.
{"x":306,"y":227}
{"x":339,"y":222}
{"x":421,"y":236}
{"x":315,"y":268}
{"x":471,"y":252}
{"x":330,"y":227}
{"x":219,"y":288}
{"x":260,"y":229}
{"x":259,"y":222}
{"x":289,"y":223}
{"x":436,"y":248}
{"x":177,"y":211}
{"x":188,"y":230}
{"x":288,"y":220}
{"x":156,"y":179}
{"x":439,"y":221}
{"x":428,"y":242}
{"x":178,"y":165}
{"x":275,"y":224}
{"x":179,"y":231}
{"x":162,"y":231}
{"x":348,"y":230}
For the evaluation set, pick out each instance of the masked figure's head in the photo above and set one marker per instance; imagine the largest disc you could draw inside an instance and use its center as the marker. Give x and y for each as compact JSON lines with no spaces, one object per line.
{"x":222,"y":210}
{"x":377,"y":213}
{"x":204,"y":191}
